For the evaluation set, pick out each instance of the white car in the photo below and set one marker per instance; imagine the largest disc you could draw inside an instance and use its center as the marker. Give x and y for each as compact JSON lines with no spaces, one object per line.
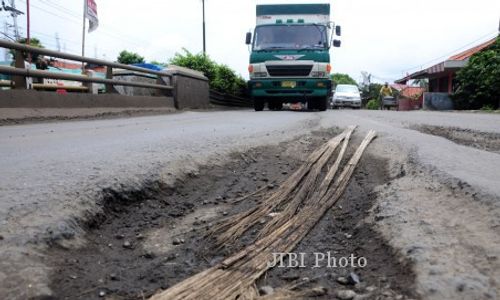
{"x":346,"y":95}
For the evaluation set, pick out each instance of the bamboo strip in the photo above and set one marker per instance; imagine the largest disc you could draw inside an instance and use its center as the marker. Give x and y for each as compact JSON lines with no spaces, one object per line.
{"x":235,"y":277}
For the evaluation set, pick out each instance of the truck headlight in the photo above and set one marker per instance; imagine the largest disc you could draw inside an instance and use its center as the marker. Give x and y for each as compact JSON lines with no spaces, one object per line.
{"x":260,"y":74}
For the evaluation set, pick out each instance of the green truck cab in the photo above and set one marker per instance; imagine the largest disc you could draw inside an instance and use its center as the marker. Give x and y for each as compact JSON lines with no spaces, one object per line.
{"x":290,"y":56}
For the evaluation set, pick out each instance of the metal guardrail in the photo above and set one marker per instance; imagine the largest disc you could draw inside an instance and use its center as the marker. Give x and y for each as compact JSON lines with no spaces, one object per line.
{"x":19,"y":72}
{"x":219,"y":98}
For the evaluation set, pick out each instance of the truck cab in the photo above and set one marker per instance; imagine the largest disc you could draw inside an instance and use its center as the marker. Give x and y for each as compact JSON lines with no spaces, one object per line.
{"x":290,"y":59}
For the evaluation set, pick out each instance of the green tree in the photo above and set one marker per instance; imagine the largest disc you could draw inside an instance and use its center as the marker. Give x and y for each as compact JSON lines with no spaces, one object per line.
{"x":478,"y":83}
{"x":198,"y":62}
{"x":220,"y":77}
{"x":371,"y":91}
{"x":339,"y":78}
{"x":155,"y":62}
{"x":35,"y":42}
{"x":128,"y":58}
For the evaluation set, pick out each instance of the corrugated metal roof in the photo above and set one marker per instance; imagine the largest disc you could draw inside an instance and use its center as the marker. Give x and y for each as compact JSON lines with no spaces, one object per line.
{"x":440,"y":67}
{"x":398,"y":86}
{"x":412,"y":92}
{"x":469,"y":52}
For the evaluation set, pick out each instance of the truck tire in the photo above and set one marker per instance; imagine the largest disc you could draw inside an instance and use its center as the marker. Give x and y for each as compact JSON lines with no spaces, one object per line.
{"x":275,"y":105}
{"x":322,"y":104}
{"x":319,"y":103}
{"x":258,"y":104}
{"x":311,"y":103}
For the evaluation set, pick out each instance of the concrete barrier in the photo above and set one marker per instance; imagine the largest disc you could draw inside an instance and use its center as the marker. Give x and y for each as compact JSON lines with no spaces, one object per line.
{"x":191,"y":88}
{"x":39,"y":99}
{"x":132,"y":76}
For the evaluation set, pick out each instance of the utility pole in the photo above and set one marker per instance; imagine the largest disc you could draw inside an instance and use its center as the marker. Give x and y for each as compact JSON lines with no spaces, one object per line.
{"x":6,"y":52}
{"x":14,"y":19}
{"x":204,"y":40}
{"x":58,"y":42}
{"x":83,"y":34}
{"x":28,"y":22}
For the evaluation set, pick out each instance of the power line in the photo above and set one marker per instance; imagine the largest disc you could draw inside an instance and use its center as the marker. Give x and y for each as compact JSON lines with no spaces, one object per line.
{"x":77,"y":15}
{"x":74,"y":17}
{"x":489,"y":35}
{"x":7,"y":35}
{"x":61,"y":8}
{"x":48,"y":40}
{"x":51,"y":36}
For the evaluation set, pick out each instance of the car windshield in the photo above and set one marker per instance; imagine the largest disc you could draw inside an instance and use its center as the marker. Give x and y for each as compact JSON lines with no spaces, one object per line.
{"x":347,"y":89}
{"x":290,"y":37}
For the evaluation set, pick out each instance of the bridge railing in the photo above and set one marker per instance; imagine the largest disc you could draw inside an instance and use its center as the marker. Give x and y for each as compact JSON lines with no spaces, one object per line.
{"x":19,"y":72}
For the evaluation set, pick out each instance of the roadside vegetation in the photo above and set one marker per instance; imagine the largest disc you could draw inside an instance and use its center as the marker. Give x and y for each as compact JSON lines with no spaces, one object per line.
{"x":372,"y":104}
{"x":340,"y":78}
{"x":221,"y":78}
{"x":128,"y":58}
{"x":478,"y":83}
{"x":35,"y":42}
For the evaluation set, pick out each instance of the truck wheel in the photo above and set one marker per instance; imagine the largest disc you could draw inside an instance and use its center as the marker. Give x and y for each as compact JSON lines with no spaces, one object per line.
{"x":258,"y":104}
{"x":276,"y":104}
{"x":322,"y":104}
{"x":311,"y":103}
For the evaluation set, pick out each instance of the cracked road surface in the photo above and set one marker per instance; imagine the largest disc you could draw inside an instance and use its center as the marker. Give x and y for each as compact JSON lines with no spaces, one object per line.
{"x":53,"y":173}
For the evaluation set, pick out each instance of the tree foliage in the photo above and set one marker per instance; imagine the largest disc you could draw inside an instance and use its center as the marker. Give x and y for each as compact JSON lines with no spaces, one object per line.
{"x":478,"y":83}
{"x":33,"y":42}
{"x":373,"y":104}
{"x":339,"y":78}
{"x":371,"y":91}
{"x":158,"y":63}
{"x":128,"y":58}
{"x":221,"y":77}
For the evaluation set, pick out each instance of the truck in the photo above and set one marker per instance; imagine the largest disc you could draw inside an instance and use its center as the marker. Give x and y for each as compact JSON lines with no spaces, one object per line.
{"x":290,"y":55}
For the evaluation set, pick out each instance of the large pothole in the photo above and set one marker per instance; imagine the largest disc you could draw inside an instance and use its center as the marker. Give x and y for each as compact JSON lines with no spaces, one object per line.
{"x":487,"y":141}
{"x":150,"y":240}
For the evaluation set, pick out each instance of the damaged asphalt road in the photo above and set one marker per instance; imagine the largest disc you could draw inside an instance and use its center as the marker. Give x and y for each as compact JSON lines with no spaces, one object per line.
{"x":54,"y":175}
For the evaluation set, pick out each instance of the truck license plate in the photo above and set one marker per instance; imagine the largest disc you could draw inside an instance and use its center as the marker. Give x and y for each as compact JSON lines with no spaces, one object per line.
{"x":288,"y":84}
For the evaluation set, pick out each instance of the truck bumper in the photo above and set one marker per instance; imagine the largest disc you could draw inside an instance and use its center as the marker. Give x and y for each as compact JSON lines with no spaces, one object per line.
{"x":292,"y":89}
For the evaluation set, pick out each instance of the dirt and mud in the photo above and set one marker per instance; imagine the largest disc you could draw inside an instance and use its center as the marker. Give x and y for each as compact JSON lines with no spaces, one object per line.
{"x":487,"y":141}
{"x":151,"y":239}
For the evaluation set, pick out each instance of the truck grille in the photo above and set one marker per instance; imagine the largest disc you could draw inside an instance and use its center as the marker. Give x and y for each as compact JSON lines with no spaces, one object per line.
{"x":295,"y":70}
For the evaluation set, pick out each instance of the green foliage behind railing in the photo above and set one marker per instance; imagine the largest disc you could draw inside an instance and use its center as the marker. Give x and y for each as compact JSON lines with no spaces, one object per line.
{"x":221,"y":77}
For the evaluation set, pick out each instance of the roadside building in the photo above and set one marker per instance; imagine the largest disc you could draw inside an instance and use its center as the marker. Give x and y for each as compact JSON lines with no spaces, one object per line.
{"x":409,"y":97}
{"x":441,"y":77}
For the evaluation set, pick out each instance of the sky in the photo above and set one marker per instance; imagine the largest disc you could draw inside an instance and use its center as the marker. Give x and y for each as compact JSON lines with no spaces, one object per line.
{"x":386,"y":38}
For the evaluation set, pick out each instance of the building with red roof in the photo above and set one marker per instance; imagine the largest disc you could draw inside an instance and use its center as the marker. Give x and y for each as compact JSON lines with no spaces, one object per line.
{"x":441,"y":76}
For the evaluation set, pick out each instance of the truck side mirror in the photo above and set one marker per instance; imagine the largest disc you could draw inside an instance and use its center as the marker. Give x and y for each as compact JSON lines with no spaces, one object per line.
{"x":338,"y":30}
{"x":248,"y":39}
{"x":336,"y":43}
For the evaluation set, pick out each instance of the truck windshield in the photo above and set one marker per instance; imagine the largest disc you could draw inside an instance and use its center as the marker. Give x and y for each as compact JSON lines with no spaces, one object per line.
{"x":290,"y":37}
